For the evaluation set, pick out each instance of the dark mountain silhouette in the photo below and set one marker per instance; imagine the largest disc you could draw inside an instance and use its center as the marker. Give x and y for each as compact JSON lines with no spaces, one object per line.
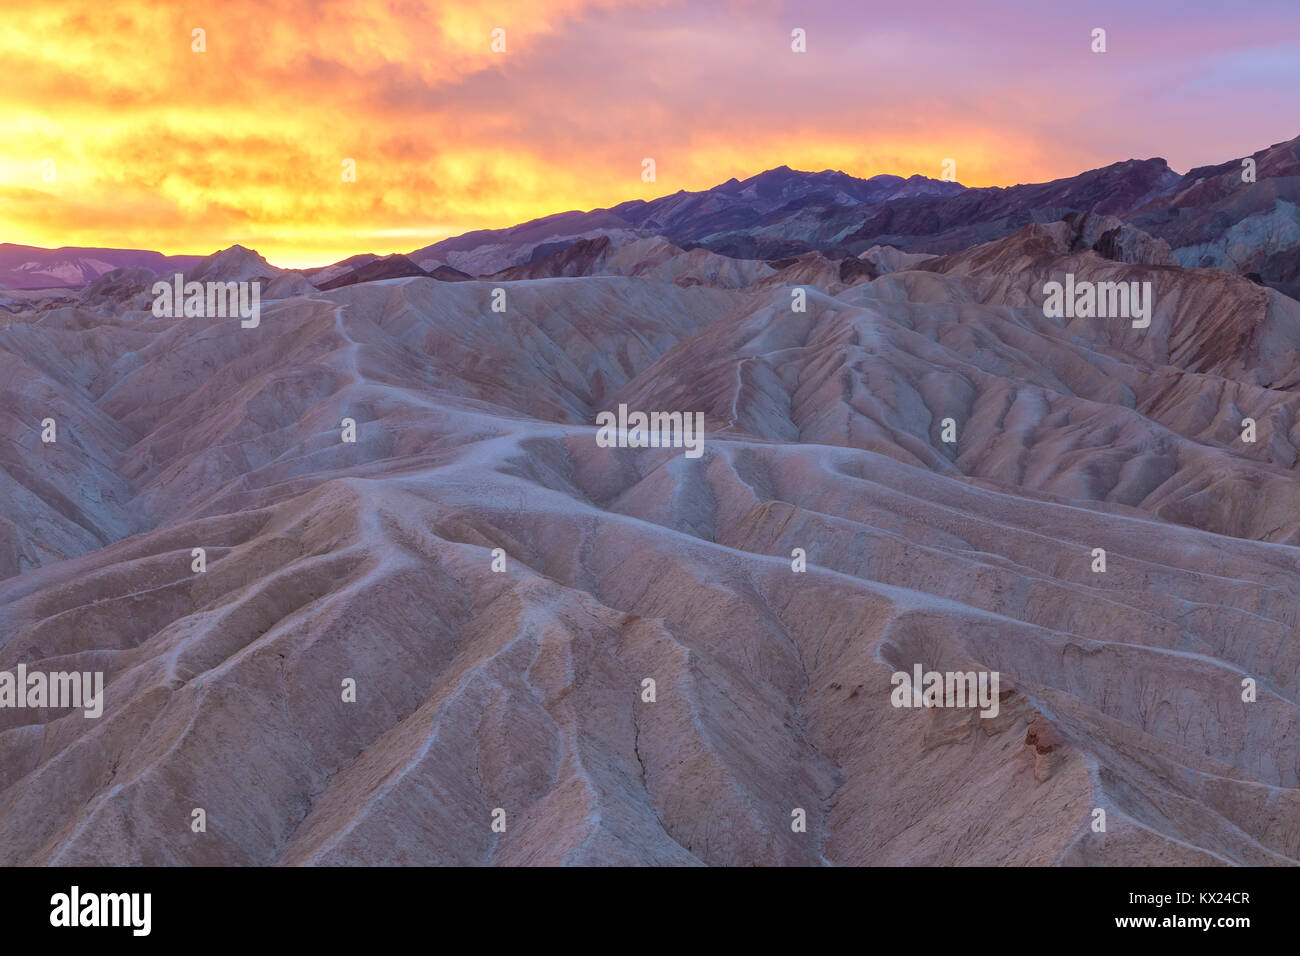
{"x":1209,"y":216}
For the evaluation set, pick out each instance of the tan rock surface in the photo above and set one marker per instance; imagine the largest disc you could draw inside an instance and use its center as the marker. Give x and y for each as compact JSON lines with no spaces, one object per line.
{"x":522,"y":690}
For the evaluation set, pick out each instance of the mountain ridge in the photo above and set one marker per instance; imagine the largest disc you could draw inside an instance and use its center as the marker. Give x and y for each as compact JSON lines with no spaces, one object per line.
{"x":1210,"y":217}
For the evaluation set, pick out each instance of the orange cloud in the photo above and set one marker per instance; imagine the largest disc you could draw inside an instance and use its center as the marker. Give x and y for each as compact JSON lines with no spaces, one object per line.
{"x":155,"y":145}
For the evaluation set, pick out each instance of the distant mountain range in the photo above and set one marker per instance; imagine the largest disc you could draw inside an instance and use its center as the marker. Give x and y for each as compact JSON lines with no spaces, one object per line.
{"x":31,"y":267}
{"x":1209,"y":217}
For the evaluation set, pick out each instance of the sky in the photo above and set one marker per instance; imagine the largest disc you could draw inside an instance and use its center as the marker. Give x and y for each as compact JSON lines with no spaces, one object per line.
{"x":118,"y":133}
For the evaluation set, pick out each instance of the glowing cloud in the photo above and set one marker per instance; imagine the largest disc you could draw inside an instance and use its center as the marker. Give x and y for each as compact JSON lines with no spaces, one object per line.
{"x":120,"y":132}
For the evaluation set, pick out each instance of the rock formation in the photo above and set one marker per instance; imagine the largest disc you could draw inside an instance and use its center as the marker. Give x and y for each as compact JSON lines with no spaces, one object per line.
{"x":906,"y":463}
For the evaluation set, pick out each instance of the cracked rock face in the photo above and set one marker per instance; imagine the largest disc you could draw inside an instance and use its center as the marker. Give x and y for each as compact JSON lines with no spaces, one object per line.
{"x":499,"y":586}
